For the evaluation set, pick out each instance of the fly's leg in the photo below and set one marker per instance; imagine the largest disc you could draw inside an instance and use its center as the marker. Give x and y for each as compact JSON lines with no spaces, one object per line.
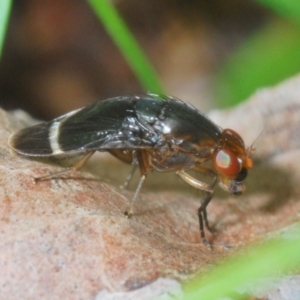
{"x":208,"y":189}
{"x":205,"y":216}
{"x":143,"y":159}
{"x":129,"y":211}
{"x":78,"y":166}
{"x":126,"y":156}
{"x":128,"y":178}
{"x":202,"y":215}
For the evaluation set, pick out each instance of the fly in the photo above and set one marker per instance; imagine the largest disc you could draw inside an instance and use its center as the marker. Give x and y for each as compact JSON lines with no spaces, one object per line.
{"x":155,"y":132}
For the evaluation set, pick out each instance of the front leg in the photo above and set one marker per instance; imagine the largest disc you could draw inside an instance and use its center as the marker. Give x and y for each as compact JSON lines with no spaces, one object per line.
{"x":208,"y":189}
{"x":202,"y":215}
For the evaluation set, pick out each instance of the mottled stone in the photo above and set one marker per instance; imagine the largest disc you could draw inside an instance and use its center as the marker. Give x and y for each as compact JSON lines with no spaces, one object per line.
{"x":68,"y":238}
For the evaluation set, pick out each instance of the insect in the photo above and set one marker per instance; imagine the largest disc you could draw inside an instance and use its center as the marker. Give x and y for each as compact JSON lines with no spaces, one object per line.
{"x":155,"y":132}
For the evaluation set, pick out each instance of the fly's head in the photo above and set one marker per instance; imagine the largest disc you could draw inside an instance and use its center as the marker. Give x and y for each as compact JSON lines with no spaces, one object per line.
{"x":232,"y":161}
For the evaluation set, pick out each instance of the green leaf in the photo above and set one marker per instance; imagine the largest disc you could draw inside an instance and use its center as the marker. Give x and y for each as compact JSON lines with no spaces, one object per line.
{"x":267,"y":58}
{"x":276,"y":256}
{"x":127,"y":44}
{"x":5,"y":7}
{"x":289,"y":9}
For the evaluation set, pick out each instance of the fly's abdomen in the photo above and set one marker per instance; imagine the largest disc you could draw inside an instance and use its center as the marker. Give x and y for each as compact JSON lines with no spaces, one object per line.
{"x":32,"y":141}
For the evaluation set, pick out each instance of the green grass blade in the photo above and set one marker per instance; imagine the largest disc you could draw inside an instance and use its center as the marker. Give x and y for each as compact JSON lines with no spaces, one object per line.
{"x":272,"y":258}
{"x":5,"y":7}
{"x":286,"y":8}
{"x":267,"y":58}
{"x":127,"y":44}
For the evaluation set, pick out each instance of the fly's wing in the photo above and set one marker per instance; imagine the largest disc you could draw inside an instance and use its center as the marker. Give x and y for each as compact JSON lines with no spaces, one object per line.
{"x":105,"y":125}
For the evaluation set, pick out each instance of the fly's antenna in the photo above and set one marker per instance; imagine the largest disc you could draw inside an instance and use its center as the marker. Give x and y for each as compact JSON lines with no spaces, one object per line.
{"x":251,"y":149}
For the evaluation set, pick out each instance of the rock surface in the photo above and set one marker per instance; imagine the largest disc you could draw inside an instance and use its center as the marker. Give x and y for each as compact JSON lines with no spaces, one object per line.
{"x":68,"y":239}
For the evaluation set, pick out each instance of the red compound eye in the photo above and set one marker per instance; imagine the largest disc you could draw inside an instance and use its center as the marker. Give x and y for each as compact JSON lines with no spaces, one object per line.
{"x":227,"y":163}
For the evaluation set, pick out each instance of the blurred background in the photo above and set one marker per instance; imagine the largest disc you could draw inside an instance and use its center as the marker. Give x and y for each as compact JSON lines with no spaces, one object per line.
{"x":57,"y":55}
